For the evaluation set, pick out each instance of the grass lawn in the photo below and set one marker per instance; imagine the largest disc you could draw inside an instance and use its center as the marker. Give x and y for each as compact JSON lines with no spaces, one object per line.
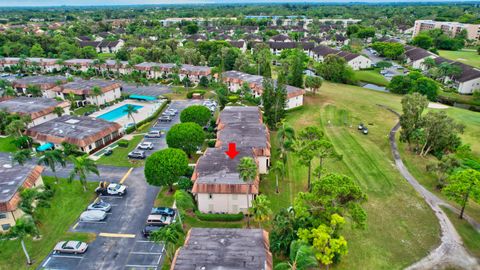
{"x":470,"y":236}
{"x":83,"y":110}
{"x":119,"y":156}
{"x":67,"y":204}
{"x":371,"y":76}
{"x":470,"y":57}
{"x":401,"y":227}
{"x":6,"y":144}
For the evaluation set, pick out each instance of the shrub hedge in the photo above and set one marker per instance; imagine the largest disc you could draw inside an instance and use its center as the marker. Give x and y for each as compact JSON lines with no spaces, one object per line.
{"x":218,"y":217}
{"x":148,"y":119}
{"x":190,"y":93}
{"x":123,"y":143}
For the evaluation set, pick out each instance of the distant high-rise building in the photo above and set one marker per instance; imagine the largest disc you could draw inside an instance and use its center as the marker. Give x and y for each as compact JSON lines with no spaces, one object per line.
{"x":450,"y":28}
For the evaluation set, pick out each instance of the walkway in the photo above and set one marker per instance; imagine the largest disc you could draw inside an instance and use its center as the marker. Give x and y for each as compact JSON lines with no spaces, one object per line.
{"x":451,"y":251}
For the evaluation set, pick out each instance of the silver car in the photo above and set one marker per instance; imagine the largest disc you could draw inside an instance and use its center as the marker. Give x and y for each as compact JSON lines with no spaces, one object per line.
{"x":75,"y":247}
{"x":93,"y":215}
{"x":100,"y":205}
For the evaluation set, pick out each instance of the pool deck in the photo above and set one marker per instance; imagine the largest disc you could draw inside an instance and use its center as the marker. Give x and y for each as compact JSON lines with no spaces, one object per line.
{"x":148,"y":109}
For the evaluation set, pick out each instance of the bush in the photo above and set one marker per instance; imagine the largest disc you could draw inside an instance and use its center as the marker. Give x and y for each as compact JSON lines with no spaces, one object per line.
{"x":233,"y":98}
{"x":211,"y":143}
{"x":190,"y":93}
{"x":186,"y":136}
{"x":189,"y":172}
{"x":219,"y":217}
{"x":123,"y":143}
{"x":185,"y":183}
{"x":184,"y":200}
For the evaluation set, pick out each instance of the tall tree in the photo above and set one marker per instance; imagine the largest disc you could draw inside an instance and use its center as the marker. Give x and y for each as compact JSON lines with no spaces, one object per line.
{"x":130,"y":110}
{"x":82,"y":167}
{"x":247,"y":168}
{"x":96,"y":91}
{"x":274,"y":99}
{"x":285,"y":137}
{"x":51,"y":159}
{"x":413,"y":106}
{"x":186,"y":136}
{"x":444,"y":167}
{"x":279,"y":169}
{"x":260,"y":210}
{"x":462,"y":186}
{"x":24,"y":226}
{"x":314,"y":83}
{"x":21,"y":156}
{"x":59,"y":111}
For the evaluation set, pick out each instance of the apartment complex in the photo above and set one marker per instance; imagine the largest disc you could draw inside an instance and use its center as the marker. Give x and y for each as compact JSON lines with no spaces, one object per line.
{"x":450,"y":28}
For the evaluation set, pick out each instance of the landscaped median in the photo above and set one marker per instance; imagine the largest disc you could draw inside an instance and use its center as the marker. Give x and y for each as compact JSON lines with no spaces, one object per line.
{"x":67,"y":203}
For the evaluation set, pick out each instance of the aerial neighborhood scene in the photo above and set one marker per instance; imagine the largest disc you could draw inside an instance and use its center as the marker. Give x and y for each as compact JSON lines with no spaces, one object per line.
{"x":239,"y":135}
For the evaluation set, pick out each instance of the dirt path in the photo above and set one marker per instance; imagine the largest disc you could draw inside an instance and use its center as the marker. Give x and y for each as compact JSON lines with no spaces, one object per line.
{"x":451,"y":252}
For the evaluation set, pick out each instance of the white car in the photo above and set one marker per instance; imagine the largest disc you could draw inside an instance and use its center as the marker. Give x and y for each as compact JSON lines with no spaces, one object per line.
{"x":93,"y":215}
{"x":111,"y":189}
{"x":146,"y":146}
{"x":75,"y":247}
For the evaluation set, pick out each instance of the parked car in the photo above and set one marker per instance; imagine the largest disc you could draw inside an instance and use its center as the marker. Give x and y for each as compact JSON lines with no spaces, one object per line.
{"x":106,"y":188}
{"x":166,"y":211}
{"x":154,"y":134}
{"x":145,"y":146}
{"x":75,"y":247}
{"x":100,"y":205}
{"x":108,"y":152}
{"x":172,"y":111}
{"x":93,"y":215}
{"x":159,"y":220}
{"x":148,"y":229}
{"x":138,"y":154}
{"x":165,"y":118}
{"x":168,"y":113}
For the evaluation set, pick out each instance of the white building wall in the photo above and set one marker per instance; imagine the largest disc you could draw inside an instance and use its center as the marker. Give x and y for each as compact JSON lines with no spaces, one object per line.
{"x":263,"y":163}
{"x":360,"y":62}
{"x":223,"y":203}
{"x":105,"y":97}
{"x":295,"y":102}
{"x":469,"y":87}
{"x":42,"y":119}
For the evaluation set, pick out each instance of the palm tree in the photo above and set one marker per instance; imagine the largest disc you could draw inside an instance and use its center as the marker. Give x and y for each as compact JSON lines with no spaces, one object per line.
{"x":59,"y":111}
{"x":9,"y":92}
{"x":171,"y":236}
{"x":130,"y":110}
{"x":82,"y":166}
{"x":302,"y":257}
{"x":51,"y":158}
{"x":21,"y":156}
{"x":96,"y":91}
{"x":16,"y":127}
{"x":24,"y":226}
{"x":279,"y":169}
{"x":285,"y":136}
{"x":260,"y":209}
{"x":247,"y":168}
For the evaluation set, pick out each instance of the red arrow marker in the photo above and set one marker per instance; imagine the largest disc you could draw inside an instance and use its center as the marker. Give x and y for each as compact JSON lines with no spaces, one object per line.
{"x":232,"y":150}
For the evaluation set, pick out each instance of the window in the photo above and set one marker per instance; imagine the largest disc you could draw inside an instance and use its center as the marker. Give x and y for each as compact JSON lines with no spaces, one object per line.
{"x":234,"y":196}
{"x":3,"y":215}
{"x":210,"y":196}
{"x":5,"y":227}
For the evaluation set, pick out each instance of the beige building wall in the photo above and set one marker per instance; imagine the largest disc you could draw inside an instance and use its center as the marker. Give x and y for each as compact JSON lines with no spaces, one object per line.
{"x":223,"y":203}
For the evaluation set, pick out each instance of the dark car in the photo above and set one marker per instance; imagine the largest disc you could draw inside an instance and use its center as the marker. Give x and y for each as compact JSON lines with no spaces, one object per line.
{"x":148,"y":229}
{"x":165,"y":211}
{"x":108,"y":152}
{"x":137,"y":154}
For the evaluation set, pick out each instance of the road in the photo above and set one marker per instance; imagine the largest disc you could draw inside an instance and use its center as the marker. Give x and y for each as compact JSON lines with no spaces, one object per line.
{"x":451,"y":251}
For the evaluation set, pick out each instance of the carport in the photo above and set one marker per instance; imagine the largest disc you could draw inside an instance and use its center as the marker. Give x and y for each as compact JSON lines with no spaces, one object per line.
{"x":142,"y":97}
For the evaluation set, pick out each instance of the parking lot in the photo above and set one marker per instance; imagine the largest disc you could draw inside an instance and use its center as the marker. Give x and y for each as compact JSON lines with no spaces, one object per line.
{"x":119,"y":243}
{"x":161,"y":143}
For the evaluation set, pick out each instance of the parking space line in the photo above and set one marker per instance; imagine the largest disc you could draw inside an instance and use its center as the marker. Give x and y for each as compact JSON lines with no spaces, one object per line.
{"x":46,"y":262}
{"x":126,"y":175}
{"x":145,"y":253}
{"x":118,"y":235}
{"x":94,"y":222}
{"x":160,"y":258}
{"x":66,"y":256}
{"x":111,"y":196}
{"x":143,"y":266}
{"x":145,"y":241}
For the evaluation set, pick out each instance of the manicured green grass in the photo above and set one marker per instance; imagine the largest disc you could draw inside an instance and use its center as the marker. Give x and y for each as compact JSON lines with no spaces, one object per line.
{"x":371,"y":76}
{"x":401,"y":227}
{"x":120,"y":155}
{"x":470,"y":57}
{"x":67,"y":204}
{"x":83,"y":110}
{"x":6,"y":144}
{"x":471,"y":120}
{"x":470,"y":236}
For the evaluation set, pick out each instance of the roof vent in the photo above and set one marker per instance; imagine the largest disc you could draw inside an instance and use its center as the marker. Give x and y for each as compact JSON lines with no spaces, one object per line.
{"x":7,"y":166}
{"x":5,"y":191}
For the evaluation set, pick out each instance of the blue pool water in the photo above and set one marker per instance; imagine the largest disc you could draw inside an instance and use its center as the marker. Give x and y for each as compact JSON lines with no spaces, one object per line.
{"x":117,"y":113}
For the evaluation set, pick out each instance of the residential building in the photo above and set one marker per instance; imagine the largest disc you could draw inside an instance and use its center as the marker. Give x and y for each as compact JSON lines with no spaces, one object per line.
{"x":104,"y":46}
{"x":277,"y":47}
{"x":217,"y":185}
{"x":219,"y":248}
{"x":354,"y":60}
{"x":467,"y":81}
{"x":44,"y":64}
{"x":45,"y":83}
{"x":450,"y":28}
{"x":78,"y":64}
{"x":416,"y":56}
{"x":280,"y":38}
{"x":235,"y":80}
{"x":89,"y":134}
{"x":39,"y":109}
{"x":14,"y":178}
{"x":83,"y":91}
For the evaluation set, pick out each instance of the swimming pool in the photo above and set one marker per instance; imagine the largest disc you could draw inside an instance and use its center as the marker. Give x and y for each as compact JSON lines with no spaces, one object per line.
{"x":117,"y":113}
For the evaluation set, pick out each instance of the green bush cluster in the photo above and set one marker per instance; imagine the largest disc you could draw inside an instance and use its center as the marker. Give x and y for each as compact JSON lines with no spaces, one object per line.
{"x":123,"y":143}
{"x":218,"y":217}
{"x":148,"y":119}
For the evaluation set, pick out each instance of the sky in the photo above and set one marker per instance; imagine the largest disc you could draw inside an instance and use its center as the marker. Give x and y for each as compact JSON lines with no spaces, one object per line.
{"x":11,"y":3}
